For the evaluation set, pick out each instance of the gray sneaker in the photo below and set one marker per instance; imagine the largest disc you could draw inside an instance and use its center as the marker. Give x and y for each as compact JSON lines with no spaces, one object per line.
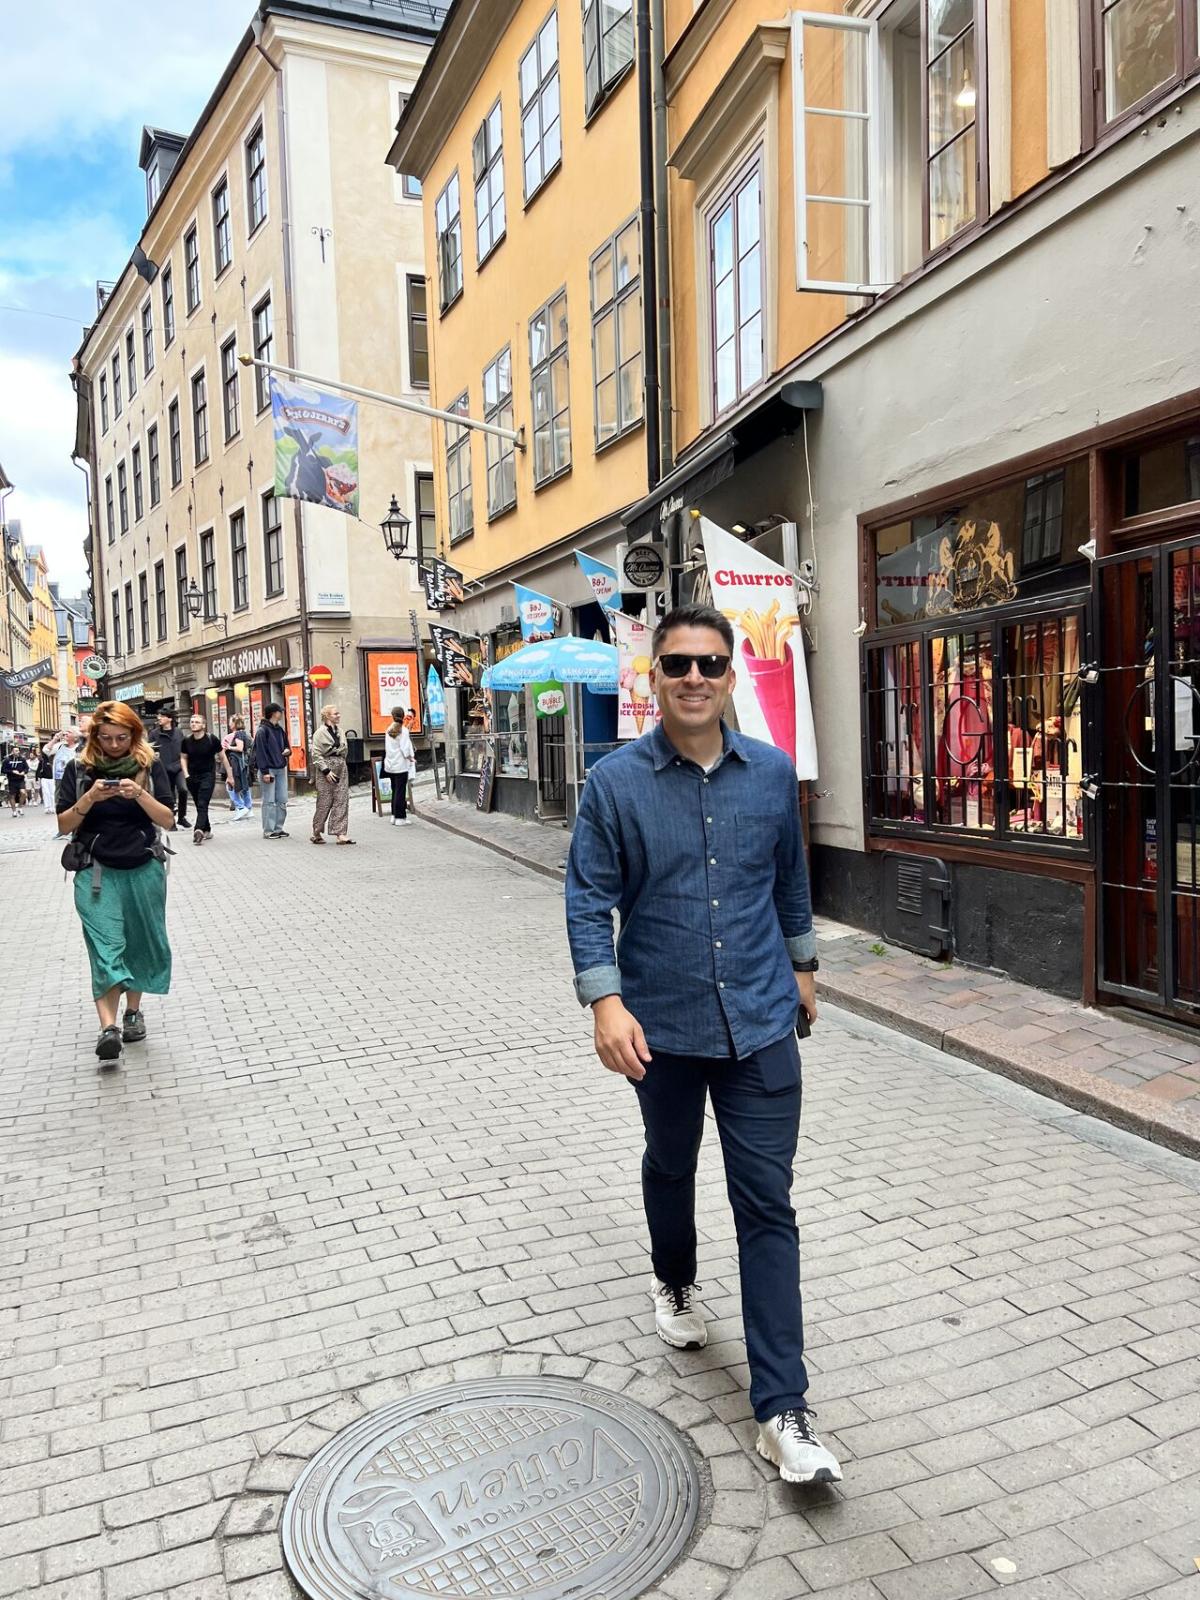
{"x":133,"y":1029}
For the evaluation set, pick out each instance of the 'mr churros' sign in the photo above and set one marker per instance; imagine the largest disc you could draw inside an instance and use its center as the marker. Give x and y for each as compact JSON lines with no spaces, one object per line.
{"x":759,"y":598}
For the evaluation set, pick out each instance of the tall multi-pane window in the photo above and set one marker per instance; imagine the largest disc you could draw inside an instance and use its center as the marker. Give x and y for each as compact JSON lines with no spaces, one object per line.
{"x":550,"y":377}
{"x":116,"y":622}
{"x":256,"y":179}
{"x":607,"y":46}
{"x":109,"y":518}
{"x":617,"y":333}
{"x":103,"y":402}
{"x":191,"y":266}
{"x":153,"y":464}
{"x":144,"y":609}
{"x":426,"y":518}
{"x":230,"y":389}
{"x":148,"y":338}
{"x":116,"y":383}
{"x":200,"y":417}
{"x":272,"y":546}
{"x":160,"y":600}
{"x":131,"y":362}
{"x":541,"y":110}
{"x":182,"y":615}
{"x":418,"y":332}
{"x":951,"y":79}
{"x":238,"y":562}
{"x":130,"y":638}
{"x":139,"y":504}
{"x":458,"y":473}
{"x":447,"y":215}
{"x":208,"y":573}
{"x":263,"y":336}
{"x":1140,"y":49}
{"x":168,"y":306}
{"x":222,"y":231}
{"x":175,"y":441}
{"x":123,"y":496}
{"x":735,"y":275}
{"x":1042,"y":524}
{"x":487,"y":162}
{"x":501,"y":453}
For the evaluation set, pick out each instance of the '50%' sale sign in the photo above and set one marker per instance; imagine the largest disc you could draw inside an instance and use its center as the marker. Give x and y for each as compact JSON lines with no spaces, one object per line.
{"x":393,"y":680}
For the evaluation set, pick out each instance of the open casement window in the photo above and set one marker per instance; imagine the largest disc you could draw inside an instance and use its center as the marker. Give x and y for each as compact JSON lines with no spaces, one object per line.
{"x":1140,"y":49}
{"x":839,"y":234}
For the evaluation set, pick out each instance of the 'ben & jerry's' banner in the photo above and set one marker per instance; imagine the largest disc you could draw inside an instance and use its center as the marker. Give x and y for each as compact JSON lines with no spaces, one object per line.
{"x":759,"y":598}
{"x":316,"y":446}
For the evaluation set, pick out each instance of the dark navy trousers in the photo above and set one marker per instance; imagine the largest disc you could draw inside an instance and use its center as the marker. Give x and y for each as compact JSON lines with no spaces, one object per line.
{"x":756,"y":1104}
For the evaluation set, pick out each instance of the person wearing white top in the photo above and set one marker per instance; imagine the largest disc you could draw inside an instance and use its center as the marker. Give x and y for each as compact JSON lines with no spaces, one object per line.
{"x":399,"y":760}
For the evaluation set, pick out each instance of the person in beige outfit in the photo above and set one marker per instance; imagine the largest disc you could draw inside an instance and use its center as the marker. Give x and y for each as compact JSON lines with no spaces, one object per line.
{"x":333,"y":780}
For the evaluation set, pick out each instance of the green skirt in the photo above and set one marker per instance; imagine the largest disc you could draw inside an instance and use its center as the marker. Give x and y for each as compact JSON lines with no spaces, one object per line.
{"x":125,"y":928}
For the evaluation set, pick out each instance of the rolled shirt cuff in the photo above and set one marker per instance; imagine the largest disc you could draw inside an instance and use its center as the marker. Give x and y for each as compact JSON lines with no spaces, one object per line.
{"x":802,"y":946}
{"x":595,"y":983}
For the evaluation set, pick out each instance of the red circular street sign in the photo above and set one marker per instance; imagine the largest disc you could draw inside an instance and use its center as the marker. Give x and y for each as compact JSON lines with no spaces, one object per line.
{"x":320,"y":677}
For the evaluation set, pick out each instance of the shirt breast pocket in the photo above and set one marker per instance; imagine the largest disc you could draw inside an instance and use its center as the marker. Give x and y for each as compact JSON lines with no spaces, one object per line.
{"x":757,"y":837}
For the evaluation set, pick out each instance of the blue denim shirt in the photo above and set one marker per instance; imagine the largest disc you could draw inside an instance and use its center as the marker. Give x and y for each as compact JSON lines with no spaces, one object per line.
{"x":708,"y":875}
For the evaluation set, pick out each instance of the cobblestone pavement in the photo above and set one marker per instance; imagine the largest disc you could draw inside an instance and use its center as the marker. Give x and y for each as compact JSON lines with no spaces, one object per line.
{"x":366,"y":1149}
{"x":1138,"y":1076}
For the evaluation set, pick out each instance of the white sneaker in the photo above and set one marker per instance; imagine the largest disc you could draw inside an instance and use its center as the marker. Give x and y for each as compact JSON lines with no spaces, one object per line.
{"x":788,"y":1441}
{"x":396,"y":822}
{"x":678,"y":1316}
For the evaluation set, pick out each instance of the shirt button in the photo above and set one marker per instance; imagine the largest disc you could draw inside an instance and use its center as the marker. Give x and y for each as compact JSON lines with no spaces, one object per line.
{"x":718,"y":944}
{"x":720,"y":985}
{"x":708,"y":819}
{"x":716,"y":902}
{"x":712,"y":861}
{"x":704,"y":780}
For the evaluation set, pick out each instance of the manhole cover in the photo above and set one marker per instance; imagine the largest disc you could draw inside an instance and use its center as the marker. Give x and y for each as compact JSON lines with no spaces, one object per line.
{"x":537,"y":1487}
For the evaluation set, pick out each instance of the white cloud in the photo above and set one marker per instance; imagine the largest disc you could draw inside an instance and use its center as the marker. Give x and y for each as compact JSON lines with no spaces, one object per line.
{"x":37,"y":429}
{"x":72,"y":68}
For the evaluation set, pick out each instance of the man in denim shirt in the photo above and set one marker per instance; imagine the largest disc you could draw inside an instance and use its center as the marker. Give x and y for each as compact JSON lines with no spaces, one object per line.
{"x":692,"y":834}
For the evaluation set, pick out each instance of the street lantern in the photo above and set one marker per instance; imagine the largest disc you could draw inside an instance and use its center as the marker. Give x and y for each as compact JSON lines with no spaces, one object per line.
{"x":395,"y":527}
{"x":193,"y":599}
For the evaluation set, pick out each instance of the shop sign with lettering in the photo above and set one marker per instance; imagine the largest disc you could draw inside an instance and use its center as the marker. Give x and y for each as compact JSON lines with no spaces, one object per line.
{"x":265,"y":660}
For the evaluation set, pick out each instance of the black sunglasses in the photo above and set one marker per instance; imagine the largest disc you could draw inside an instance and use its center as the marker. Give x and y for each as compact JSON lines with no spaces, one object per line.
{"x":678,"y":666}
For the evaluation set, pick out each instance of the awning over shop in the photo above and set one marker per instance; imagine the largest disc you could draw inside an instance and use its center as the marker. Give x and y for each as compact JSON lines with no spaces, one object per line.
{"x":715,"y":461}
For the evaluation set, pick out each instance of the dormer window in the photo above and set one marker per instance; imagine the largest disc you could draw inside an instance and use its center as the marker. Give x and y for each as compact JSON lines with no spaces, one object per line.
{"x":153,"y":183}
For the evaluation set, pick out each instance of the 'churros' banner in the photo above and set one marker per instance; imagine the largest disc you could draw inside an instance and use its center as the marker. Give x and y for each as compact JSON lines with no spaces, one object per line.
{"x":759,"y":598}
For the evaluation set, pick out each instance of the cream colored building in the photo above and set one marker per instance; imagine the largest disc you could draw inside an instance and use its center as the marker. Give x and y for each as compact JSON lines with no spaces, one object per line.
{"x":275,"y":229}
{"x":43,"y":642}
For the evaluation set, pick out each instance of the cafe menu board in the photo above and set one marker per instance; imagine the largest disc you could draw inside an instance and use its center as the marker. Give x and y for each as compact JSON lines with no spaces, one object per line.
{"x":393,"y":678}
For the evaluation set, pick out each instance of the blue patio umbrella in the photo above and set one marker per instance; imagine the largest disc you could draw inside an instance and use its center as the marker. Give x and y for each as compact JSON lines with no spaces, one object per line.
{"x":567,"y":660}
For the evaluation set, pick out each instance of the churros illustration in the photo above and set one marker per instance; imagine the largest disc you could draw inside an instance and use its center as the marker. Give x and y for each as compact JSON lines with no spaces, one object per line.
{"x":766,"y":631}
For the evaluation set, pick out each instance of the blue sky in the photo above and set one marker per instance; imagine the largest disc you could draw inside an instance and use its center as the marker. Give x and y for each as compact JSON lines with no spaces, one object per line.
{"x":72,"y":199}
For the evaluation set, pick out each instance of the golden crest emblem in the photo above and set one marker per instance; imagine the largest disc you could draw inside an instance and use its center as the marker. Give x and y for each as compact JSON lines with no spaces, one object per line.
{"x":974,"y":570}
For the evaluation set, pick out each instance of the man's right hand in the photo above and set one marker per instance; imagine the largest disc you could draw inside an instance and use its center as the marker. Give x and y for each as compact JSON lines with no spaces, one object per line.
{"x":620,"y":1042}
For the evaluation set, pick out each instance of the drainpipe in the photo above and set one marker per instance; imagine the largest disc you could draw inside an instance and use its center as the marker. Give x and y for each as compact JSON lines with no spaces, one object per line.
{"x":645,"y":84}
{"x":257,"y":25}
{"x":662,"y":239}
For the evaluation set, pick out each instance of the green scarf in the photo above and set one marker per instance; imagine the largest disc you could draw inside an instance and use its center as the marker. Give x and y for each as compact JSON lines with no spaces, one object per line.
{"x":116,"y":767}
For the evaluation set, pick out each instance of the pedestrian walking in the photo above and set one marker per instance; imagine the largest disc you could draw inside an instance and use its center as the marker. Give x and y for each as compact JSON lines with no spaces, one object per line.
{"x":168,"y":744}
{"x":271,"y":752}
{"x":692,"y":833}
{"x":69,"y":742}
{"x":200,"y":752}
{"x":114,"y":798}
{"x":399,"y":762}
{"x":44,"y":774}
{"x":237,"y":747}
{"x":333,"y":780}
{"x":15,"y":772}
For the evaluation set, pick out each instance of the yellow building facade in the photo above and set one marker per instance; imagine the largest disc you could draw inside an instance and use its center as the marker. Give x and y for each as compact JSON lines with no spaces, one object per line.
{"x":523,"y":133}
{"x":43,"y":642}
{"x":275,"y":230}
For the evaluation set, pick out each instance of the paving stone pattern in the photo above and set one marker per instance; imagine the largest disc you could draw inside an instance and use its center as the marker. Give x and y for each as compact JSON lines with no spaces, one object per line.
{"x":1142,"y":1077}
{"x":367,"y":1150}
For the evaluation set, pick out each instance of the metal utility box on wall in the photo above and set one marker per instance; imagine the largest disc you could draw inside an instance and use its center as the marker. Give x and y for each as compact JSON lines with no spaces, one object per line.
{"x":916,"y":904}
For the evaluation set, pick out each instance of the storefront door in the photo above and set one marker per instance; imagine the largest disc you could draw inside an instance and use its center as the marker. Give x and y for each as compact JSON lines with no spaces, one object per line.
{"x":552,"y":766}
{"x":1148,"y":627}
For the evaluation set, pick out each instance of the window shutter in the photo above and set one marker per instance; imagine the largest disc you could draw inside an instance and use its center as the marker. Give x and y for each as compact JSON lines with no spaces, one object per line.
{"x":1064,"y":108}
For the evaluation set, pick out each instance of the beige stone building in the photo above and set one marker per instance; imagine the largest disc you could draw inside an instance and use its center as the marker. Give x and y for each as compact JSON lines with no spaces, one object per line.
{"x":274,"y":228}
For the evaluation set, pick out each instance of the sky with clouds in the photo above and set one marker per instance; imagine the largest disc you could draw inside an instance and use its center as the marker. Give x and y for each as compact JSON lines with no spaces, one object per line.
{"x":72,"y":200}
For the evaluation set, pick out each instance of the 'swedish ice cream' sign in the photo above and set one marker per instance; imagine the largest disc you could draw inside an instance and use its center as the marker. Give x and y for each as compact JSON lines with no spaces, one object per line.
{"x":759,"y":598}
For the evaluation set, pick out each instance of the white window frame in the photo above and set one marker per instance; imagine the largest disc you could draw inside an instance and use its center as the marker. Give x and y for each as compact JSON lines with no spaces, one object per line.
{"x":874,"y":205}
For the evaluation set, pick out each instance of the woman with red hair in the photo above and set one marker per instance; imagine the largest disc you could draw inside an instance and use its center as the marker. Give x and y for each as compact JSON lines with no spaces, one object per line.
{"x":113,"y":798}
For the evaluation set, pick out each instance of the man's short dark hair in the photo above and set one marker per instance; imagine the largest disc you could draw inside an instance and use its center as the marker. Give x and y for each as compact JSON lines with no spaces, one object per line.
{"x":272,"y":709}
{"x":165,"y":711}
{"x":692,"y":617}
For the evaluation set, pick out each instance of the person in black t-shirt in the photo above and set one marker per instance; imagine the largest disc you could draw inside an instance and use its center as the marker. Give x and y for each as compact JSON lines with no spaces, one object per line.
{"x":200,"y":751}
{"x":113,"y":797}
{"x":16,"y":771}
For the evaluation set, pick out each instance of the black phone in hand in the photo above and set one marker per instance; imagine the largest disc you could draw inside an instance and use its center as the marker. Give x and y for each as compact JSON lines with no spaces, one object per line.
{"x":803,"y":1025}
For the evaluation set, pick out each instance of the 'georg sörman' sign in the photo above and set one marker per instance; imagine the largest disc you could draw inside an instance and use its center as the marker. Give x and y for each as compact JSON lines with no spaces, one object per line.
{"x":265,"y":660}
